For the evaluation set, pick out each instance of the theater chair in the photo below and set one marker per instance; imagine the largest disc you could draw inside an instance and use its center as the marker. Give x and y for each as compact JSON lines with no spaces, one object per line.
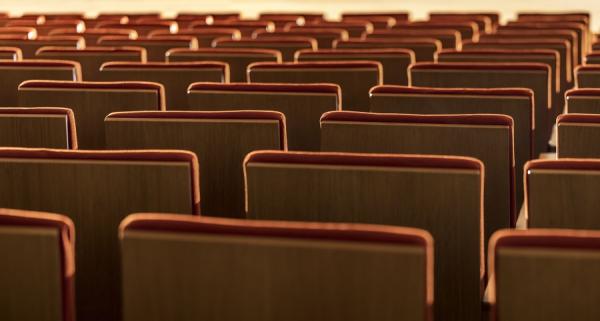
{"x":38,"y":127}
{"x":583,"y":101}
{"x":468,"y":30}
{"x":238,"y":59}
{"x":394,"y":62}
{"x":221,"y":140}
{"x":38,"y":266}
{"x":30,"y":46}
{"x":577,"y":134}
{"x":562,"y":46}
{"x":592,"y":59}
{"x":537,"y":34}
{"x":12,"y":73}
{"x":97,"y":189}
{"x":488,"y":138}
{"x":448,"y":38}
{"x":156,"y":47}
{"x":587,"y":76}
{"x":44,"y":29}
{"x":568,"y":31}
{"x":130,"y":16}
{"x":19,"y":32}
{"x":354,"y":28}
{"x":11,"y":53}
{"x":142,"y":28}
{"x":204,"y":37}
{"x":424,"y":48}
{"x":175,"y":76}
{"x":91,"y":36}
{"x":516,"y":103}
{"x":311,"y":270}
{"x":286,"y":45}
{"x":533,"y":76}
{"x":487,"y":22}
{"x":545,"y":274}
{"x":324,"y":36}
{"x":91,"y":102}
{"x":246,"y":28}
{"x":542,"y":56}
{"x":378,"y":22}
{"x":307,"y":16}
{"x":399,"y":16}
{"x":280,"y":21}
{"x":354,"y":77}
{"x":397,"y":190}
{"x":547,"y":182}
{"x":302,"y":105}
{"x":91,"y":58}
{"x":579,"y":28}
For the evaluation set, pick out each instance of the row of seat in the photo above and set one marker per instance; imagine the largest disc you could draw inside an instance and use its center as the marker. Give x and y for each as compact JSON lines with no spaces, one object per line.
{"x":376,"y":163}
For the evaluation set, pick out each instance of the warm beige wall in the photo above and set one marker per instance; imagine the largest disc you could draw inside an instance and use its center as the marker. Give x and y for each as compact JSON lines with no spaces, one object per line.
{"x":250,"y":8}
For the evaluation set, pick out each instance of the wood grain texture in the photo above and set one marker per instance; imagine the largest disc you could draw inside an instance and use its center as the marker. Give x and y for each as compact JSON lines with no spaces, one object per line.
{"x":578,"y":141}
{"x":423,"y":52}
{"x":193,"y":278}
{"x":563,"y":282}
{"x":583,"y":105}
{"x":302,"y":110}
{"x":12,"y":77}
{"x":355,"y":83}
{"x":96,"y":195}
{"x":90,"y":62}
{"x":30,"y":274}
{"x":220,"y":145}
{"x":42,"y":131}
{"x":447,"y":204}
{"x":176,"y":81}
{"x":90,"y":107}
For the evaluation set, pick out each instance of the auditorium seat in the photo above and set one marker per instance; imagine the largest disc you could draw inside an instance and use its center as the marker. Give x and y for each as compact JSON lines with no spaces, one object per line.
{"x":400,"y":16}
{"x":543,"y":56}
{"x":315,"y":271}
{"x":91,"y":36}
{"x":156,"y":47}
{"x":29,"y":47}
{"x":97,"y":189}
{"x":324,"y":36}
{"x":468,"y":30}
{"x":302,"y":105}
{"x":545,"y":274}
{"x":11,"y":53}
{"x":448,"y":38}
{"x":397,"y":190}
{"x":38,"y":127}
{"x":354,"y":77}
{"x":203,"y":36}
{"x":38,"y":265}
{"x":175,"y":76}
{"x":592,"y":58}
{"x":537,"y":34}
{"x":486,"y":22}
{"x":220,"y":140}
{"x":583,"y":101}
{"x":184,"y":19}
{"x":587,"y":76}
{"x":378,"y":22}
{"x":534,"y":76}
{"x":44,"y":29}
{"x":246,"y":28}
{"x":280,"y":21}
{"x":578,"y":135}
{"x":142,"y":28}
{"x":91,"y":58}
{"x":129,"y":16}
{"x":562,"y":46}
{"x":424,"y":48}
{"x":354,"y":28}
{"x":307,"y":16}
{"x":394,"y":62}
{"x":488,"y":138}
{"x":91,"y":102}
{"x":13,"y":73}
{"x":580,"y":29}
{"x":516,"y":103}
{"x":24,"y":32}
{"x":238,"y":59}
{"x":286,"y":45}
{"x":547,"y":184}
